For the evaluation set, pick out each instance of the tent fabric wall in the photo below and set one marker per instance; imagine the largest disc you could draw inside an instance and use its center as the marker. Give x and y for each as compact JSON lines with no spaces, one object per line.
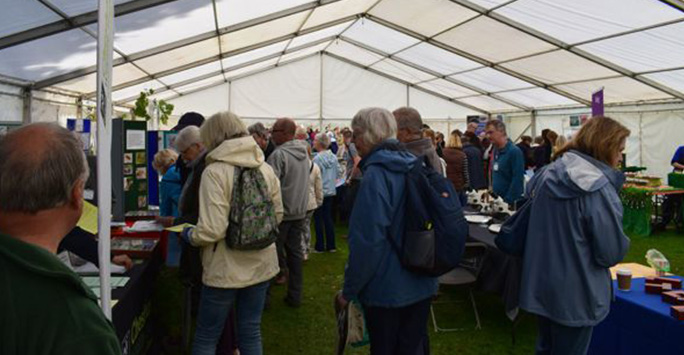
{"x":661,"y":135}
{"x":207,"y":102}
{"x":347,"y":89}
{"x":288,"y":91}
{"x":432,"y":107}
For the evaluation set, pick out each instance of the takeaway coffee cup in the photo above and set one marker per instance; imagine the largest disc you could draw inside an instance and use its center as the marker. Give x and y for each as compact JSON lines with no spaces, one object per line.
{"x":624,"y":278}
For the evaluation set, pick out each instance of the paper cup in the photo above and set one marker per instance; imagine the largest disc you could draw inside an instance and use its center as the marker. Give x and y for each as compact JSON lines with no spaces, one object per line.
{"x":624,"y":278}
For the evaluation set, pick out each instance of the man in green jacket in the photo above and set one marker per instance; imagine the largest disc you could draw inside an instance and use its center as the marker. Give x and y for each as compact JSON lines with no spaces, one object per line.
{"x":46,"y":308}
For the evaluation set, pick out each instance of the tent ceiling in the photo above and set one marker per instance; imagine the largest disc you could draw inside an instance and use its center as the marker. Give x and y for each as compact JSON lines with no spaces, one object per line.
{"x":490,"y":55}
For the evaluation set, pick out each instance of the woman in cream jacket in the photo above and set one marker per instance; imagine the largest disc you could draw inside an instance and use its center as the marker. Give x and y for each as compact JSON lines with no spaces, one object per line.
{"x":231,"y":277}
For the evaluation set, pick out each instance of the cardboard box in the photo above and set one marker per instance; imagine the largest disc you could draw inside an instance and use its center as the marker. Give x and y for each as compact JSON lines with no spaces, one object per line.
{"x":677,"y":312}
{"x":656,"y":289}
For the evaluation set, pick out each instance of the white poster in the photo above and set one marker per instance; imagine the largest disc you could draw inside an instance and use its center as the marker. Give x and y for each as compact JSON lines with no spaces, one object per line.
{"x":135,"y":140}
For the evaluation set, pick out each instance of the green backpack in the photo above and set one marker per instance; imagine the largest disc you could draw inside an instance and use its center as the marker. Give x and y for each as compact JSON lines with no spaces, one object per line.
{"x":252,"y":223}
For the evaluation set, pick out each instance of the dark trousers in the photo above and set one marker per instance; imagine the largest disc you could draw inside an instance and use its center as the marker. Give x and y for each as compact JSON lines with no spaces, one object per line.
{"x":671,"y":204}
{"x":399,"y":331}
{"x":558,"y":339}
{"x":290,"y":255}
{"x":323,"y":220}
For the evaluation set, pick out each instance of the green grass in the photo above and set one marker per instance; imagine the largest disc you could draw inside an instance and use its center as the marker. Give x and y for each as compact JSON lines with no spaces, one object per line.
{"x":311,"y":329}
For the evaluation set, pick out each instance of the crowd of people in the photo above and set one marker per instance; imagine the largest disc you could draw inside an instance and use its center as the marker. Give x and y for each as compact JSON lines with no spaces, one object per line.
{"x":353,"y":175}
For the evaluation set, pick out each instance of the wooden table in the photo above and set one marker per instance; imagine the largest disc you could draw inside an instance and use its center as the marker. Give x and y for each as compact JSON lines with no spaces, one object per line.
{"x":637,"y":270}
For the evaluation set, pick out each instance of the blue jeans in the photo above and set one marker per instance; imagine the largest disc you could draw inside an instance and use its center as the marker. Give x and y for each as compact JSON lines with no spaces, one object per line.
{"x":215,"y":304}
{"x":323,"y":218}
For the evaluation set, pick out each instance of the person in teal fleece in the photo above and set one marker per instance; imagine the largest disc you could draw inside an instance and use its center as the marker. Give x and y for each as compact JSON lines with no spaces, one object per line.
{"x":46,"y":308}
{"x":508,"y":167}
{"x":396,"y":301}
{"x":575,"y":236}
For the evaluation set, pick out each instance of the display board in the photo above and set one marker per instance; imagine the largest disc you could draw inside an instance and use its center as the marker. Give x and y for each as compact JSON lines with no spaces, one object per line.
{"x":135,"y":165}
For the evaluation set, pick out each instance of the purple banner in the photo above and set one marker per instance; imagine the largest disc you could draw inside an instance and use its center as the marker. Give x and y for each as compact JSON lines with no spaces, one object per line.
{"x":597,"y":103}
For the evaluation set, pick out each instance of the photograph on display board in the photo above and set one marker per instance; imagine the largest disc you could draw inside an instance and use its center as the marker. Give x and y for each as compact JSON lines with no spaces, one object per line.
{"x":128,"y":169}
{"x":142,"y":187}
{"x":128,"y":158}
{"x":141,"y":173}
{"x":140,"y":158}
{"x":142,"y":201}
{"x":128,"y":182}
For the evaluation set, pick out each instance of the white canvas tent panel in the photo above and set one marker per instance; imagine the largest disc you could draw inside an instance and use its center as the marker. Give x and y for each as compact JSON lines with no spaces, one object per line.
{"x":250,"y":68}
{"x":21,"y":15}
{"x":487,"y":103}
{"x":655,"y":49}
{"x":536,"y":97}
{"x":120,"y":74}
{"x":347,"y":89}
{"x":318,"y":35}
{"x":491,"y":80}
{"x":673,"y":79}
{"x":426,"y":17}
{"x":134,"y":90}
{"x":447,"y":88}
{"x":615,"y":90}
{"x":206,"y":102}
{"x":11,"y":108}
{"x":337,"y":10}
{"x":559,"y":66}
{"x":200,"y":84}
{"x":255,"y":54}
{"x":581,"y":20}
{"x":179,"y":56}
{"x":378,"y":36}
{"x":662,"y":134}
{"x":352,"y":52}
{"x":162,"y":24}
{"x":191,"y":73}
{"x":437,"y":59}
{"x":262,"y":95}
{"x":432,"y":107}
{"x":78,"y":7}
{"x":231,"y":12}
{"x":263,"y":32}
{"x":492,"y":40}
{"x":402,"y":71}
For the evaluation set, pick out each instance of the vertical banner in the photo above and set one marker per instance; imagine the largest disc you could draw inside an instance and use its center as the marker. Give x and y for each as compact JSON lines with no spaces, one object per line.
{"x":105,"y":39}
{"x":597,"y":103}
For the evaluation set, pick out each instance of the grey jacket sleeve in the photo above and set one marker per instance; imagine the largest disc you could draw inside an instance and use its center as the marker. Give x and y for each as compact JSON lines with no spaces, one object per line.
{"x":275,"y":160}
{"x":603,"y":216}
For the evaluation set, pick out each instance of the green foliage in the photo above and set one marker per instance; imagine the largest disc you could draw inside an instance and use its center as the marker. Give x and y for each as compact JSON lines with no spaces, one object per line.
{"x":141,"y":105}
{"x":165,"y":110}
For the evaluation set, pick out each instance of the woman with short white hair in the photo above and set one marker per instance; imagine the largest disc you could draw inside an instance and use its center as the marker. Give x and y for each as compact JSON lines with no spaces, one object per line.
{"x":233,"y":275}
{"x":390,"y":294}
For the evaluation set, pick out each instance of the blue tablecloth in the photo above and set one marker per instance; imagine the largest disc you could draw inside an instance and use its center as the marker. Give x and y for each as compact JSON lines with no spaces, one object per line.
{"x":638,"y":323}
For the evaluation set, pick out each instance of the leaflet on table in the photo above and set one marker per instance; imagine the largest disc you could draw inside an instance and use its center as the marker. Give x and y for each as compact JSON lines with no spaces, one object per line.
{"x":145,"y":226}
{"x":179,"y":228}
{"x":114,"y":281}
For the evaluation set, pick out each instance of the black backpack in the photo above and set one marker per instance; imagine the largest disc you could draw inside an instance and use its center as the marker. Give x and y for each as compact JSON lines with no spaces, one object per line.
{"x":435,"y":230}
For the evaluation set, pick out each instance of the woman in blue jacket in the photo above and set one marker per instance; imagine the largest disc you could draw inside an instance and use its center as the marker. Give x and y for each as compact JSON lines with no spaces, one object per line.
{"x":396,"y":301}
{"x":575,"y":235}
{"x":170,"y":187}
{"x":327,"y":162}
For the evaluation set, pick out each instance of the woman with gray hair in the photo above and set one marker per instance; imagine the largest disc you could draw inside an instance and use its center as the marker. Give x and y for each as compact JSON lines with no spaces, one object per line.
{"x":327,"y":162}
{"x":231,"y":276}
{"x":396,"y":301}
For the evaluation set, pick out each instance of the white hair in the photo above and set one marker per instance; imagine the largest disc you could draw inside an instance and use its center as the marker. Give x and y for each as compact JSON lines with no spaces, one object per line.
{"x":186,"y":137}
{"x":323,"y":140}
{"x":376,"y":124}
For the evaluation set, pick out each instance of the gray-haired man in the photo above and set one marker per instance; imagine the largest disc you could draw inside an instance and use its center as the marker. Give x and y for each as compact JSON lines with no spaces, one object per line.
{"x":46,"y":308}
{"x":410,"y":132}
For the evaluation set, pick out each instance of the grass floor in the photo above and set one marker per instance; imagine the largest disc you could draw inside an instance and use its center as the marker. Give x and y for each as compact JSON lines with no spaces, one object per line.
{"x":311,"y":329}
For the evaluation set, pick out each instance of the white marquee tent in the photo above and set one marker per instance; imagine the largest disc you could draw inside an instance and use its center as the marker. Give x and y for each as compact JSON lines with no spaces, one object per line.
{"x":535,"y":62}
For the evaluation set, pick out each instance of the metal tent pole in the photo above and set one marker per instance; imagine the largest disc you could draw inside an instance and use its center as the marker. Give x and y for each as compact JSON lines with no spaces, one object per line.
{"x":105,"y":40}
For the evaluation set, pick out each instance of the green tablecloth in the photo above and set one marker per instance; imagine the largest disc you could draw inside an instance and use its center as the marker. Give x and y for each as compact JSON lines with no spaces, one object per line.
{"x":676,"y":180}
{"x":638,"y":208}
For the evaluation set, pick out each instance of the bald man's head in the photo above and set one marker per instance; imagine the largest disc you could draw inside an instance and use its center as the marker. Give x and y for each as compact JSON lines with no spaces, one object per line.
{"x":283,"y":131}
{"x":40,"y":164}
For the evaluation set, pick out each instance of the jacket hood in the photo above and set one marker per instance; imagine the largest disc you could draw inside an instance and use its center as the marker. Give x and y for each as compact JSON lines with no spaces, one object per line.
{"x":391,"y":155}
{"x":421,"y":146}
{"x":295,"y":148}
{"x":326,"y":159}
{"x":576,"y":174}
{"x":242,"y":152}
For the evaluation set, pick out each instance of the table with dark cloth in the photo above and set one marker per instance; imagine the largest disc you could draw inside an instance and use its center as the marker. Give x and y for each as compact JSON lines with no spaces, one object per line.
{"x":131,"y":314}
{"x":500,"y":272}
{"x":638,"y":323}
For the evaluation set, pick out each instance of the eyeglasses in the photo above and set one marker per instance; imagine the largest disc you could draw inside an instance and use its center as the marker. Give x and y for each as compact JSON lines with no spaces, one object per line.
{"x":184,"y":152}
